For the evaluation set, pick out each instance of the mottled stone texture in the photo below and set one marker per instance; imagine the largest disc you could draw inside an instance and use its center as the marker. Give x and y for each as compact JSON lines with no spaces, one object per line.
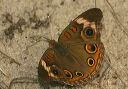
{"x":24,"y":23}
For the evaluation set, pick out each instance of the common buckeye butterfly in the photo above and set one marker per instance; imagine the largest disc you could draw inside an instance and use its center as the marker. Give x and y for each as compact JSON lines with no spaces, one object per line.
{"x":77,"y":56}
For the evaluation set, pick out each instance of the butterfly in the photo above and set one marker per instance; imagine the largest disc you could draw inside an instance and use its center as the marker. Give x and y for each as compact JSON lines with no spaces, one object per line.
{"x":77,"y":56}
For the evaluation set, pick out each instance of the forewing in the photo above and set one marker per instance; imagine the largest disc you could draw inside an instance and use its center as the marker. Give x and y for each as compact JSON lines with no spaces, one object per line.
{"x":72,"y":33}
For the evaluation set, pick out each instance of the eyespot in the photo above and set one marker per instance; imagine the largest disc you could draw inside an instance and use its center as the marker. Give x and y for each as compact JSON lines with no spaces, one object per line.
{"x":79,"y":74}
{"x":91,"y":48}
{"x":68,"y":74}
{"x":55,"y":72}
{"x":89,"y":32}
{"x":90,"y":61}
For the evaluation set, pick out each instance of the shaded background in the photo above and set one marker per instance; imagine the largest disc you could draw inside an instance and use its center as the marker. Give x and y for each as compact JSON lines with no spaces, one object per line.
{"x":24,"y":23}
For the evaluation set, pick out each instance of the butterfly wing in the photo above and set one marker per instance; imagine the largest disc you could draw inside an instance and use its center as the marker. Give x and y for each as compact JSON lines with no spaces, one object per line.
{"x":90,"y":17}
{"x":78,"y":53}
{"x":82,"y":40}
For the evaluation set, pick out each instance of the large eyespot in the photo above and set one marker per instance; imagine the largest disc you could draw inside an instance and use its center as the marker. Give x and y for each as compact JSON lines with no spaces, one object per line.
{"x":79,"y":74}
{"x":91,"y":48}
{"x":90,"y":61}
{"x":89,"y":32}
{"x":68,"y":74}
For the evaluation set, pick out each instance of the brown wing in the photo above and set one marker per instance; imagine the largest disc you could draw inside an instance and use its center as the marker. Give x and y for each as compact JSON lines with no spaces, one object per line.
{"x":77,"y":55}
{"x":72,"y":33}
{"x":82,"y":40}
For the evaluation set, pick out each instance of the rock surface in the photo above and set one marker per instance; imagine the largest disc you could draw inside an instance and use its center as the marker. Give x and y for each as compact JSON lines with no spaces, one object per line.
{"x":24,"y":23}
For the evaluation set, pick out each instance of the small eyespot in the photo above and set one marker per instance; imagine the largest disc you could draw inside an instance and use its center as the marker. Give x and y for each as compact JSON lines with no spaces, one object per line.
{"x":79,"y":74}
{"x":90,"y":61}
{"x":55,"y":72}
{"x":91,"y":48}
{"x":68,"y":74}
{"x":89,"y":32}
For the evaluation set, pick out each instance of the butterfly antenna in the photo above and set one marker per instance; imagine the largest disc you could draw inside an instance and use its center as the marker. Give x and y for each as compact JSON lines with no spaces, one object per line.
{"x":46,"y":39}
{"x":51,"y":42}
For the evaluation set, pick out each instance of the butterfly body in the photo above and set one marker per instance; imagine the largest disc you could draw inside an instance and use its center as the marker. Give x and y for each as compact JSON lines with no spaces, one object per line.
{"x":77,"y":56}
